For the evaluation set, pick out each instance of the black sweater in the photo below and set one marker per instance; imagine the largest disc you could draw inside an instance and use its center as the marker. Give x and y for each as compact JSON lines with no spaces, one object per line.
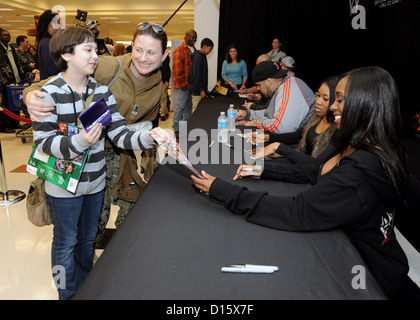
{"x":355,"y":196}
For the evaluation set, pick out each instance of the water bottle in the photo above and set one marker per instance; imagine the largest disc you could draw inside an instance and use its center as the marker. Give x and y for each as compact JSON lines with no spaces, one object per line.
{"x":231,"y":118}
{"x":222,"y":128}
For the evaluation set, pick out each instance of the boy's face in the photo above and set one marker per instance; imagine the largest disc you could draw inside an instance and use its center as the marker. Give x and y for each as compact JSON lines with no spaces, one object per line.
{"x":83,"y":60}
{"x":206,"y":49}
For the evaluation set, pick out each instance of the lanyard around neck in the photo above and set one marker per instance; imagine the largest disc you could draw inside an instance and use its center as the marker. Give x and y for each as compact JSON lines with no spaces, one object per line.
{"x":87,"y":101}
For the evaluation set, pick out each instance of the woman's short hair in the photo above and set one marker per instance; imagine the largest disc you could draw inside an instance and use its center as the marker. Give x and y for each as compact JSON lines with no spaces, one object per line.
{"x":65,"y":40}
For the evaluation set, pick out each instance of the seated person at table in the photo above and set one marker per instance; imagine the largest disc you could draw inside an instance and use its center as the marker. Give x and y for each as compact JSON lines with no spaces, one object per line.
{"x":260,"y":102}
{"x":292,"y":101}
{"x":254,"y":90}
{"x":313,"y":138}
{"x":357,"y":189}
{"x":287,"y":63}
{"x":234,"y":70}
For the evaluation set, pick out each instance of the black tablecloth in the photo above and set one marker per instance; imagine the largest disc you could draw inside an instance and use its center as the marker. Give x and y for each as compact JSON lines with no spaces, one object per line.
{"x":175,"y":241}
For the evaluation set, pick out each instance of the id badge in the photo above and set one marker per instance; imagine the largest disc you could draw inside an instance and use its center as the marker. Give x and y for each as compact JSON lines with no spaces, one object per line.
{"x":135,"y":110}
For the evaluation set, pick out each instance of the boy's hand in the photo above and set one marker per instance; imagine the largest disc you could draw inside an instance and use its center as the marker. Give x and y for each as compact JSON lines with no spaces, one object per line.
{"x":94,"y":134}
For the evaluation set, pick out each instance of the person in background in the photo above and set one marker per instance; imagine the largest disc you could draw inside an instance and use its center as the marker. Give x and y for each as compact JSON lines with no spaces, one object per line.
{"x":288,"y":63}
{"x":166,"y":77}
{"x":199,"y":72}
{"x":34,"y":55}
{"x":234,"y":70}
{"x":277,"y":53}
{"x":181,"y":65}
{"x":25,"y":58}
{"x":119,"y":50}
{"x":367,"y":176}
{"x":11,"y":72}
{"x":259,"y":102}
{"x":109,"y":44}
{"x":48,"y":24}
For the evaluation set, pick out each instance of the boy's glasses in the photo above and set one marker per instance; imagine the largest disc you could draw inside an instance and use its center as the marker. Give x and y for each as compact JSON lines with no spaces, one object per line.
{"x":156,"y":28}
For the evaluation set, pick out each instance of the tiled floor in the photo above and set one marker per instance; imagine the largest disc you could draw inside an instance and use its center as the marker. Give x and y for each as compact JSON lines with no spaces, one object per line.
{"x":25,"y":271}
{"x":25,"y":250}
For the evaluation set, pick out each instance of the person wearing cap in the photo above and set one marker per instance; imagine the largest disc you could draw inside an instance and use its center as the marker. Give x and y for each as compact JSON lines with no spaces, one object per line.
{"x":292,"y":101}
{"x":288,"y":63}
{"x":253,"y":93}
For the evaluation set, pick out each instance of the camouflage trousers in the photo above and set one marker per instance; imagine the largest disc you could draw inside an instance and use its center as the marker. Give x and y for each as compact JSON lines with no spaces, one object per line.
{"x":112,"y":159}
{"x":112,"y":167}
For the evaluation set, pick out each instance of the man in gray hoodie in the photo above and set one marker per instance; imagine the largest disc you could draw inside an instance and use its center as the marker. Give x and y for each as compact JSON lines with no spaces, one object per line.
{"x":292,"y":101}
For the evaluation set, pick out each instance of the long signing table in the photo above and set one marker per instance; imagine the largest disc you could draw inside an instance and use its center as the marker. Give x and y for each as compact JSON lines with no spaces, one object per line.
{"x":175,"y":241}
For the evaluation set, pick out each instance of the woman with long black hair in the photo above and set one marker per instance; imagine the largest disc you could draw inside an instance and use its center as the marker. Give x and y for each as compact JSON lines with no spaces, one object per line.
{"x":48,"y":24}
{"x":356,"y":190}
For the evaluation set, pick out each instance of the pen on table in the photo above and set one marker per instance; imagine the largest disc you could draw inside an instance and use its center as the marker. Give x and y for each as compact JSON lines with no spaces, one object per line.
{"x":229,"y":145}
{"x":250,"y":169}
{"x":253,"y":266}
{"x":247,"y":270}
{"x":211,"y":144}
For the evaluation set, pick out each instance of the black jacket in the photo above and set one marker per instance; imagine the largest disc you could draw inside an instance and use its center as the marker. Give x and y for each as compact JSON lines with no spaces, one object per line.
{"x":6,"y":73}
{"x":198,"y":76}
{"x":355,"y":196}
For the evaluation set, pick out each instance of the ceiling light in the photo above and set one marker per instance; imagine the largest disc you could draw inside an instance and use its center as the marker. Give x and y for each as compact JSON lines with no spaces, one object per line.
{"x":16,"y":20}
{"x":109,"y":18}
{"x":122,"y":22}
{"x":6,"y":9}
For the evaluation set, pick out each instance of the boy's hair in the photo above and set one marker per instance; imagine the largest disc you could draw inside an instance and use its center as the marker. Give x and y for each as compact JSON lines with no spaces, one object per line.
{"x":65,"y":40}
{"x":207,"y":42}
